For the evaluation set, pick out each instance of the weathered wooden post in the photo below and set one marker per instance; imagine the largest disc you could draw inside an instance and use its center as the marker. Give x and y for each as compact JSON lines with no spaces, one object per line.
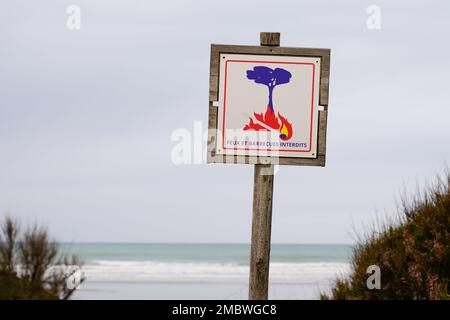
{"x":295,"y":120}
{"x":261,"y":231}
{"x":262,"y":214}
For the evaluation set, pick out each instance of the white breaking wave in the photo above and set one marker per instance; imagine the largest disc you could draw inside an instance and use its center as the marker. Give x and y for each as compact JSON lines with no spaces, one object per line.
{"x":153,"y":271}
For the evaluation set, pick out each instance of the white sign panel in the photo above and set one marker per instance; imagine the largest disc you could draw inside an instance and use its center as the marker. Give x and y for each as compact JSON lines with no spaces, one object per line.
{"x":268,"y":106}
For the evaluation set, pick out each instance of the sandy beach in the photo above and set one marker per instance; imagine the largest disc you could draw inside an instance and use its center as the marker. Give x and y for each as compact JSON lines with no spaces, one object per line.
{"x":194,"y":291}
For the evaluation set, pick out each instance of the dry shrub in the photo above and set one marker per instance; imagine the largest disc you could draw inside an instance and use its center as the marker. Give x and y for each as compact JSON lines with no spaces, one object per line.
{"x":31,"y":265}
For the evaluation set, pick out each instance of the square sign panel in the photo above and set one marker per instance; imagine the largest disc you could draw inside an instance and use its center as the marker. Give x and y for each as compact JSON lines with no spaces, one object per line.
{"x":268,"y":105}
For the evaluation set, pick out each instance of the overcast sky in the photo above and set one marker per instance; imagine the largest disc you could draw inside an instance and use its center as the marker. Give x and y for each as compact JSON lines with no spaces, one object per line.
{"x":86,"y":117}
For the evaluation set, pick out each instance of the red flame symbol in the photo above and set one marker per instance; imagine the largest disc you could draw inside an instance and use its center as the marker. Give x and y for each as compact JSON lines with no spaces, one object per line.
{"x":286,"y":128}
{"x":269,"y":121}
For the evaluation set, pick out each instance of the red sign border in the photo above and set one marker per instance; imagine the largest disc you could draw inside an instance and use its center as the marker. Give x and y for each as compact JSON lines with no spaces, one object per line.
{"x":272,"y":62}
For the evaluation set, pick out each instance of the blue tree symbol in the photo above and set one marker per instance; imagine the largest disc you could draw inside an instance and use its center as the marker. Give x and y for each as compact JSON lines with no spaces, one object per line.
{"x":269,"y":77}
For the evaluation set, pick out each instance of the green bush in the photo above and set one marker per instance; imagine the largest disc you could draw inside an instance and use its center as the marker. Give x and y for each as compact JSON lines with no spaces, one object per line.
{"x":31,"y":266}
{"x":413,"y":255}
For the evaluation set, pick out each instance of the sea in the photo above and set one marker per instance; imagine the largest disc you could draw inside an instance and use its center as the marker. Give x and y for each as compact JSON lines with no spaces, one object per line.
{"x":204,"y":271}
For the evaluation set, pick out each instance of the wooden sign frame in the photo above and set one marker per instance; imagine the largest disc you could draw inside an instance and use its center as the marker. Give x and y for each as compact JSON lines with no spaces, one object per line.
{"x":322,"y":54}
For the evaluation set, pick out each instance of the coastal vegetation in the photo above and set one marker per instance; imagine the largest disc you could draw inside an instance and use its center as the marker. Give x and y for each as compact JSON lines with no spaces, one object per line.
{"x":32,"y":266}
{"x":413,"y":254}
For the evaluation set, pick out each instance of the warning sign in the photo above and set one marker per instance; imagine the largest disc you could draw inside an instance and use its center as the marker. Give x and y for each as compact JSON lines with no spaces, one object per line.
{"x":268,"y":105}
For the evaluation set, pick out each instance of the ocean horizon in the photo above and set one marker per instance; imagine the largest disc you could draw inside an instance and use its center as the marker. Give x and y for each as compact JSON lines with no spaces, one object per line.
{"x":203,"y":270}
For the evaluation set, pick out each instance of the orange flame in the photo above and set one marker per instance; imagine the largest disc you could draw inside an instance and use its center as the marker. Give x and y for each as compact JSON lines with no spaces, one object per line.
{"x":269,"y":119}
{"x":286,"y":128}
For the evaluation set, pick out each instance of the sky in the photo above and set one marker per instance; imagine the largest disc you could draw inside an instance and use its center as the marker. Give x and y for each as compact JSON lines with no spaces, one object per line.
{"x":87,"y":117}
